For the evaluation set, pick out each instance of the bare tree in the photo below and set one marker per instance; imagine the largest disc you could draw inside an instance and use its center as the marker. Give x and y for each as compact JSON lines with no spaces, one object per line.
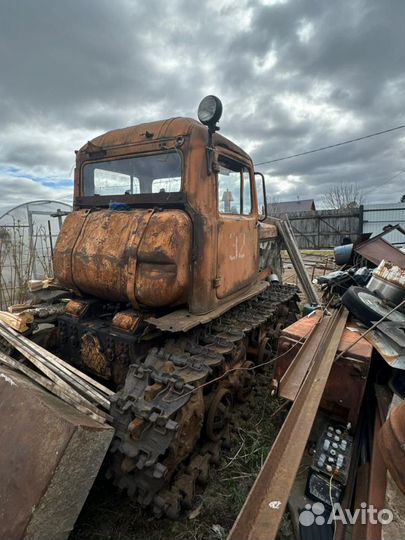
{"x":343,"y":196}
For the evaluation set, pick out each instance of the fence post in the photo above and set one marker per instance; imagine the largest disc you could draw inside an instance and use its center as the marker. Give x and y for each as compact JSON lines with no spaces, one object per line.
{"x":361,"y":218}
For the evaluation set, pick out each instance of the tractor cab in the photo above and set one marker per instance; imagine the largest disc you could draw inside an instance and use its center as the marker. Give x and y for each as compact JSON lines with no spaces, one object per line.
{"x":166,"y":214}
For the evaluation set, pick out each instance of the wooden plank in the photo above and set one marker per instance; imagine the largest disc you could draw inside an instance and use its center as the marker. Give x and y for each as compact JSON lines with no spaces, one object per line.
{"x":54,"y":363}
{"x":34,"y":359}
{"x":18,"y":322}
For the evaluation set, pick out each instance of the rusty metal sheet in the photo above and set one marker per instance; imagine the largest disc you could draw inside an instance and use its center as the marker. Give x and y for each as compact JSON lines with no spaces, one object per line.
{"x":387,"y":348}
{"x":139,"y":256}
{"x":237,"y":256}
{"x":377,"y":249}
{"x":342,"y":401}
{"x":182,"y":320}
{"x":149,"y":133}
{"x":263,"y":510}
{"x":50,"y":455}
{"x":267,"y":231}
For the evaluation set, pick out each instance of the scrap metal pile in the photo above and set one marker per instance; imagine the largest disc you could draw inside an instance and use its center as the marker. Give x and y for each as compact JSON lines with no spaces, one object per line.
{"x":344,"y":376}
{"x":371,"y":284}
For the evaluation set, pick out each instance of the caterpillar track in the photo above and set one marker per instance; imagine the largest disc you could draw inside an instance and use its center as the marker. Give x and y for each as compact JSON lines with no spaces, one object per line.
{"x":172,"y":414}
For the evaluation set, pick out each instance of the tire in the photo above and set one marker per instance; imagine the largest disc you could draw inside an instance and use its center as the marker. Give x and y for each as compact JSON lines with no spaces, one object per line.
{"x":368,"y":307}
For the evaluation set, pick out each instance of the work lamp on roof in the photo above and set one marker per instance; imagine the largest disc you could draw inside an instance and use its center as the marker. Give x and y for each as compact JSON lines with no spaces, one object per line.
{"x":210,"y":111}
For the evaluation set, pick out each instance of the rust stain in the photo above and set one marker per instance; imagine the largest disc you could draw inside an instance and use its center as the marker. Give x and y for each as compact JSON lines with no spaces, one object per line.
{"x":93,"y":356}
{"x":126,"y":320}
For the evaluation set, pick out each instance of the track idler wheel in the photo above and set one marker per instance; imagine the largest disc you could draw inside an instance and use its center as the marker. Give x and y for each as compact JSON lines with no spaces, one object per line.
{"x":218,"y":414}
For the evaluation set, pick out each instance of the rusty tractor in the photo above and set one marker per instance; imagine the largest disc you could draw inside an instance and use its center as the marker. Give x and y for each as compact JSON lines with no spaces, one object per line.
{"x":172,"y":265}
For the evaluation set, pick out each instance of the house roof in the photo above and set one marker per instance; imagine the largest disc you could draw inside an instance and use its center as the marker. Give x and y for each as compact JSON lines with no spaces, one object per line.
{"x":286,"y":207}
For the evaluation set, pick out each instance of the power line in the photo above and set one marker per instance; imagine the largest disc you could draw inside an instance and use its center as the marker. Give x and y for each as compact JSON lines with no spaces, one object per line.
{"x":331,"y":145}
{"x":392,"y":177}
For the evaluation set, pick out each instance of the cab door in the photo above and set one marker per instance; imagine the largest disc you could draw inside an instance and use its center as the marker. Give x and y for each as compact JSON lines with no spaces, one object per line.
{"x":237,"y":234}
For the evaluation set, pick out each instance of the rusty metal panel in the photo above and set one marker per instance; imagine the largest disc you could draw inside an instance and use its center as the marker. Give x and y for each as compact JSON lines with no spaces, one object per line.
{"x":164,"y":258}
{"x":341,"y":401}
{"x":182,"y":320}
{"x":378,"y":250}
{"x":50,"y":455}
{"x":267,"y":231}
{"x":138,"y":256}
{"x":149,"y":133}
{"x":238,"y":251}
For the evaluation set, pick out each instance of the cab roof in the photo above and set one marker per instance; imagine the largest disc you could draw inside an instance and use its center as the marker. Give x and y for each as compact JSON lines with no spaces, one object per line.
{"x":162,"y":129}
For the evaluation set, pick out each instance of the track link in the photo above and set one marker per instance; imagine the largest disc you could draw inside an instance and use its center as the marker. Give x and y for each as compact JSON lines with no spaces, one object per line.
{"x":171,"y":415}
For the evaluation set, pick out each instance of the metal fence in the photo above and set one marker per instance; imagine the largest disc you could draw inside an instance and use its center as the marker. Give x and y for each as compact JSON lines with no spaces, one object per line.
{"x":27,"y":236}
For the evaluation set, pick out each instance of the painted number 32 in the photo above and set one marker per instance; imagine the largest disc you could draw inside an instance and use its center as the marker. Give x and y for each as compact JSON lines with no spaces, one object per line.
{"x":238,"y":241}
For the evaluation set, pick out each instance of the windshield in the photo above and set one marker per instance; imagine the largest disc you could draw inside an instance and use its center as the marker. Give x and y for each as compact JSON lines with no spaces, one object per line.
{"x":158,"y":173}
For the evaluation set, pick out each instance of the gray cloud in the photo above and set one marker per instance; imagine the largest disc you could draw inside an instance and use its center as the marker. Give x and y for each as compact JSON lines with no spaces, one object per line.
{"x":293,"y":75}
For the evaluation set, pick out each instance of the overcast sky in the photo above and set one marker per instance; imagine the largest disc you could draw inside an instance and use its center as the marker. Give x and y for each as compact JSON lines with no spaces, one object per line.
{"x":292,"y":75}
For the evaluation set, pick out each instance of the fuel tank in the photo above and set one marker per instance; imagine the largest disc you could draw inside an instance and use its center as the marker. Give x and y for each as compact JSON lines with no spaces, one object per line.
{"x":138,"y":256}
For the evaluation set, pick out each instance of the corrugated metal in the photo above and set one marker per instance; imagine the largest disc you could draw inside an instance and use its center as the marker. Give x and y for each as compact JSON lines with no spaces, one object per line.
{"x":377,"y":216}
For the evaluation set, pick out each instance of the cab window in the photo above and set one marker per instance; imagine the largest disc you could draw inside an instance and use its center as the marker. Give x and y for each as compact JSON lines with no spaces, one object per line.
{"x":156,"y":173}
{"x":234,"y":187}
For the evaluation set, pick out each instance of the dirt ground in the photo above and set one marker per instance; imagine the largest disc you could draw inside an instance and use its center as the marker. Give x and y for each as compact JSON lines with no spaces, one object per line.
{"x":317,"y":263}
{"x":108,"y":514}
